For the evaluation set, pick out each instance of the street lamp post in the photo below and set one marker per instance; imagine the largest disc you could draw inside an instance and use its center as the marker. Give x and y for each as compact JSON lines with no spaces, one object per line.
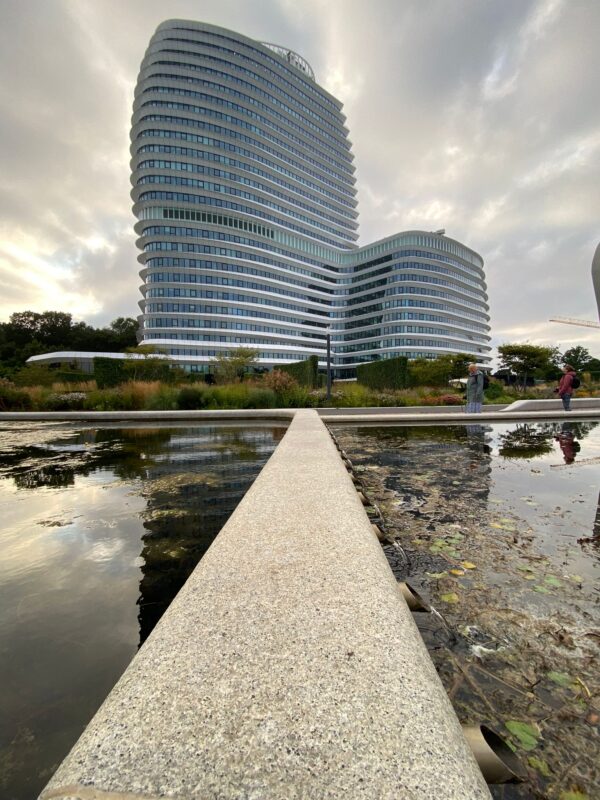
{"x":328,"y":395}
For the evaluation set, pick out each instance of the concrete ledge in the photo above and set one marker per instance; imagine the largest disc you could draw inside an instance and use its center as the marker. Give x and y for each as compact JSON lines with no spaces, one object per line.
{"x":287,"y":667}
{"x":455,"y":418}
{"x":580,"y":404}
{"x":404,"y":410}
{"x":143,"y":416}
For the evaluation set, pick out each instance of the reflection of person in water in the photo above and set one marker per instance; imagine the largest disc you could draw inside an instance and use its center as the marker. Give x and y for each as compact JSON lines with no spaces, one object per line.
{"x":567,"y":443}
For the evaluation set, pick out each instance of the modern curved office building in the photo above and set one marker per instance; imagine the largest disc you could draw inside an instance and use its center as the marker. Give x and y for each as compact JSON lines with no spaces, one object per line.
{"x":245,"y":198}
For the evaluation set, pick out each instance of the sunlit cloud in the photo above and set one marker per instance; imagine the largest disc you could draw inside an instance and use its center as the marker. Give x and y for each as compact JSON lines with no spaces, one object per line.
{"x":482,"y":120}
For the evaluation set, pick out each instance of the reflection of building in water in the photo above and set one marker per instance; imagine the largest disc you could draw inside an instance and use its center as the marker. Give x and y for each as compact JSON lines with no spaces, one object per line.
{"x":192,"y":488}
{"x":193,"y":478}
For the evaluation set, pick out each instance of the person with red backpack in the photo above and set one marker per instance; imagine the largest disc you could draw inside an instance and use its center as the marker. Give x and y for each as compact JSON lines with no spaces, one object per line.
{"x":568,"y":382}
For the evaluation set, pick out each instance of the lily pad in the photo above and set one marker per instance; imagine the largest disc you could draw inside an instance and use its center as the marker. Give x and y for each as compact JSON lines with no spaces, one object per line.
{"x":527,"y":734}
{"x":552,"y":581}
{"x":561,"y":678}
{"x":451,"y":597}
{"x":539,"y":765}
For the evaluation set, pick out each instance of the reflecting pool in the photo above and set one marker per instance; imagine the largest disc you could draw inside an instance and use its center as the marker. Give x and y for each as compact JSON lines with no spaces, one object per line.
{"x":100,"y":529}
{"x":498,"y":526}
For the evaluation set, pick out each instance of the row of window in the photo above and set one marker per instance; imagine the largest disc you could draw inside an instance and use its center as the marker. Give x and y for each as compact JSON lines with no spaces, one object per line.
{"x":407,"y":253}
{"x":406,"y":342}
{"x":430,"y":292}
{"x":182,"y":197}
{"x":197,"y":233}
{"x":434,"y":242}
{"x":192,"y":152}
{"x":230,"y":119}
{"x":400,"y":315}
{"x":242,"y":137}
{"x":224,"y":145}
{"x":411,"y":303}
{"x":178,"y":322}
{"x":160,"y":291}
{"x":240,"y":269}
{"x":220,"y":89}
{"x":154,"y":212}
{"x":394,"y":276}
{"x":184,"y":166}
{"x":209,"y":294}
{"x":307,"y":114}
{"x":215,"y":280}
{"x":298,"y":85}
{"x":190,"y":247}
{"x":219,"y":188}
{"x":369,"y":334}
{"x":166,"y":308}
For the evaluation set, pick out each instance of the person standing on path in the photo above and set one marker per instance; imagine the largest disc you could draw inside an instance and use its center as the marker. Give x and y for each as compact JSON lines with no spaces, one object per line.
{"x":474,"y":390}
{"x":565,"y":387}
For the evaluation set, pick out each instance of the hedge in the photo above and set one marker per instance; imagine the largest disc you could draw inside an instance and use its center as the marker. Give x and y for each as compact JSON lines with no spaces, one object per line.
{"x":305,"y":372}
{"x":390,"y":373}
{"x":109,"y":372}
{"x":72,"y":376}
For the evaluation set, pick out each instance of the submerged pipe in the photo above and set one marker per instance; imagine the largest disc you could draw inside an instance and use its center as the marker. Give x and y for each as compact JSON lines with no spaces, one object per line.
{"x":494,"y":757}
{"x":413,"y":599}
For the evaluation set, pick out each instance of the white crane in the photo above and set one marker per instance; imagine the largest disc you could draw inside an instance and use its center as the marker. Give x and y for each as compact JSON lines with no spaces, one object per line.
{"x":583,"y":323}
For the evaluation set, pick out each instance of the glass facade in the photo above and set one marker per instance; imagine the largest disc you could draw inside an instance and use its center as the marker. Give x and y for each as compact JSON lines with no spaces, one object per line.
{"x":245,"y":198}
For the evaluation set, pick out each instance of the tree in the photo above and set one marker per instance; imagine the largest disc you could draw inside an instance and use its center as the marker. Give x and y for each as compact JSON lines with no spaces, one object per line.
{"x":125,"y":331}
{"x":230,"y":368}
{"x":438,"y":371}
{"x":154,"y":366}
{"x":578,"y":357}
{"x":527,"y":360}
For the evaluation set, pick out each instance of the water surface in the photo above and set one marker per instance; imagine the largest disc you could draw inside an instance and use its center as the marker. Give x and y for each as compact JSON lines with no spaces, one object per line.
{"x":498,"y":526}
{"x":100,"y":529}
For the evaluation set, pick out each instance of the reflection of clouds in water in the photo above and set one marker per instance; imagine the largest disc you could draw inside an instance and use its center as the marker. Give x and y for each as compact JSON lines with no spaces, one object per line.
{"x":104,"y":550}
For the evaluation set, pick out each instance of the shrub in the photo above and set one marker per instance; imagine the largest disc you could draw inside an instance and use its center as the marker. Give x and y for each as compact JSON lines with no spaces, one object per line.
{"x":192,"y":397}
{"x":261,"y":398}
{"x":104,"y":400}
{"x":163,"y":399}
{"x":13,"y":399}
{"x":390,"y":373}
{"x":451,"y":400}
{"x":71,"y":376}
{"x":495,"y":389}
{"x":136,"y":395}
{"x":109,"y":372}
{"x":279,"y":381}
{"x":35,"y":375}
{"x":67,"y":401}
{"x":306,"y":372}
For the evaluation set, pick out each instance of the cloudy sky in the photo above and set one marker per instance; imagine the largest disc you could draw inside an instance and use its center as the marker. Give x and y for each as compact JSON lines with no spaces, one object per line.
{"x":478,"y":116}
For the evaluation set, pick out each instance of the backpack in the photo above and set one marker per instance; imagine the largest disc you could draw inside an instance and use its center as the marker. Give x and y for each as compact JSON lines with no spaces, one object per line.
{"x":575,"y":383}
{"x":486,"y":381}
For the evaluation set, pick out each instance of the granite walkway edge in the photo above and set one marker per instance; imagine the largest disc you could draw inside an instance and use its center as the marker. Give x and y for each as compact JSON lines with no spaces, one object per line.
{"x":288,"y":666}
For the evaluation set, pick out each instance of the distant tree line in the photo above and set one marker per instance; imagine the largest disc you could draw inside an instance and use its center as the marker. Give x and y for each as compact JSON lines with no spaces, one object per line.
{"x":526,"y":362}
{"x":28,"y":333}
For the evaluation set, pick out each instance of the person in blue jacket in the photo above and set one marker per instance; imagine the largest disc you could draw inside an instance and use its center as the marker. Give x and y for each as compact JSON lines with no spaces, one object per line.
{"x":474,"y":390}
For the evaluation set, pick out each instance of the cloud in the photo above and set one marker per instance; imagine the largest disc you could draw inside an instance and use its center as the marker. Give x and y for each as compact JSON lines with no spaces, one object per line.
{"x":478,"y":117}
